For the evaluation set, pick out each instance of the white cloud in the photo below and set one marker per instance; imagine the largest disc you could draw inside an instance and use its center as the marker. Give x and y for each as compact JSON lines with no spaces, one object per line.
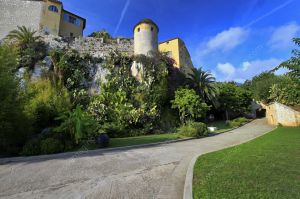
{"x":227,"y":69}
{"x":227,"y":39}
{"x":247,"y":69}
{"x":246,"y":65}
{"x":224,"y":41}
{"x":283,"y":35}
{"x":256,"y":67}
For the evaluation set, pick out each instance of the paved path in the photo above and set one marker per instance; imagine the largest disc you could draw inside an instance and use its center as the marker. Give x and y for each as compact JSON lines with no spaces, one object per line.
{"x":150,"y":172}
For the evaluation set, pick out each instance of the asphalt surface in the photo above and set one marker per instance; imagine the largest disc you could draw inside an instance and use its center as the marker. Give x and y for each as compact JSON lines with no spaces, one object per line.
{"x":142,"y":172}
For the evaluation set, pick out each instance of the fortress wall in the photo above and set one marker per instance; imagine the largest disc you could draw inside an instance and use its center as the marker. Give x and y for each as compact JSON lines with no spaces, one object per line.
{"x":18,"y":13}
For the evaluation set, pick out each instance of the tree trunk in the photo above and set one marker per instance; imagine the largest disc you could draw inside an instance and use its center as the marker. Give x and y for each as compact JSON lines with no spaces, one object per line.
{"x":227,"y":116}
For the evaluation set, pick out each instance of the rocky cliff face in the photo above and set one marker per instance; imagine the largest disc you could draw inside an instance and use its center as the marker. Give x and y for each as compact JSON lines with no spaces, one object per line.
{"x":96,"y":47}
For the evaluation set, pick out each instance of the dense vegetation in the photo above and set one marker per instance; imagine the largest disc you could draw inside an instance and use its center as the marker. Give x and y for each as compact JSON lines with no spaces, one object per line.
{"x":268,"y":87}
{"x":58,"y":112}
{"x":267,"y":167}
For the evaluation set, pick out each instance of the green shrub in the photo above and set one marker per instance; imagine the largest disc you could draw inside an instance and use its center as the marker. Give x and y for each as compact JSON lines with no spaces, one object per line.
{"x":241,"y":120}
{"x":51,"y":145}
{"x":193,"y":129}
{"x":169,"y":120}
{"x":189,"y":105}
{"x":233,"y":124}
{"x":44,"y":102}
{"x":78,"y":124}
{"x":237,"y":122}
{"x":32,"y":147}
{"x":14,"y":125}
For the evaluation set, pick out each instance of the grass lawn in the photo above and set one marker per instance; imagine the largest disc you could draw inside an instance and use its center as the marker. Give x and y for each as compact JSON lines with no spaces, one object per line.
{"x":267,"y":167}
{"x":118,"y":142}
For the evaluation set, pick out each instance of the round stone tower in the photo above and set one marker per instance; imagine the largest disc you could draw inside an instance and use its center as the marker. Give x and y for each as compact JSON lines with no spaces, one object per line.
{"x":145,"y":37}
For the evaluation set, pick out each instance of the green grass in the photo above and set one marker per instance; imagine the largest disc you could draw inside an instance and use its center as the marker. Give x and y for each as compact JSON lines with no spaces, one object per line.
{"x":119,"y":142}
{"x":221,"y":125}
{"x":267,"y":167}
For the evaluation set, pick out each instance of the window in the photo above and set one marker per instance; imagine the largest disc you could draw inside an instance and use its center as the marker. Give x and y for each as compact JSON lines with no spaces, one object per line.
{"x":138,"y":29}
{"x":71,"y":19}
{"x":152,"y":28}
{"x":53,"y":8}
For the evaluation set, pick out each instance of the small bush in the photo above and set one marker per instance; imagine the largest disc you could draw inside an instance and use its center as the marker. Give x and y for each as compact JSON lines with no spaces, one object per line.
{"x":237,"y":122}
{"x":193,"y":129}
{"x":233,"y":124}
{"x":32,"y":147}
{"x":242,"y":120}
{"x":51,"y":145}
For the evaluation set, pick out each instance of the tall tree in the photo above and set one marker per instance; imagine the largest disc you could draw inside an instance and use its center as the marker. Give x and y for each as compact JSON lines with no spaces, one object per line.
{"x":205,"y":85}
{"x":293,"y":64}
{"x":261,"y":84}
{"x":233,"y":98}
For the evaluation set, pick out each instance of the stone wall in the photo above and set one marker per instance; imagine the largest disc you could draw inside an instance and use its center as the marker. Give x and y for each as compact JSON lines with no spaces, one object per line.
{"x":18,"y":13}
{"x":97,"y":47}
{"x":277,"y":113}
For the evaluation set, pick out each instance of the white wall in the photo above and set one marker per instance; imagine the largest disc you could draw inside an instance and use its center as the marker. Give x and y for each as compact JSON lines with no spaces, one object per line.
{"x":15,"y":13}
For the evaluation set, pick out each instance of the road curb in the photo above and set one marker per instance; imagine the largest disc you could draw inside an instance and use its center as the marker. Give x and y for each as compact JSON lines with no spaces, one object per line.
{"x":188,"y":184}
{"x":75,"y":154}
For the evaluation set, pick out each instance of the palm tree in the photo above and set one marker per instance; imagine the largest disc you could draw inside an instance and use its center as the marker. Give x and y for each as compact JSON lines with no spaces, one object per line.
{"x":23,"y":36}
{"x":30,"y":47}
{"x":205,"y":85}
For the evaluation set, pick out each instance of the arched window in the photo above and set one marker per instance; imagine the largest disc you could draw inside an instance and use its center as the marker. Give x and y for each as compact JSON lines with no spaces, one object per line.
{"x":152,"y":28}
{"x":53,"y":8}
{"x":138,"y":29}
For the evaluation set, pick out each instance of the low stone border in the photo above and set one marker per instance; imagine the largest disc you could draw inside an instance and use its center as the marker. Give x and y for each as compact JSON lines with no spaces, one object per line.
{"x":188,"y":184}
{"x":78,"y":153}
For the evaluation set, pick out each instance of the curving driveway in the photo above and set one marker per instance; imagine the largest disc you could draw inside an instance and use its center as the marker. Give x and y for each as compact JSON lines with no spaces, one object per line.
{"x":147,"y":172}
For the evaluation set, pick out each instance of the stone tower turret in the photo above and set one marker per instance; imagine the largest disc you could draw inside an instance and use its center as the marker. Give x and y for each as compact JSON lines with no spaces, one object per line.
{"x":145,"y":37}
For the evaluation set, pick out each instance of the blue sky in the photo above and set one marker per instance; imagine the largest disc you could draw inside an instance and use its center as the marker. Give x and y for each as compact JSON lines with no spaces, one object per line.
{"x":234,"y":39}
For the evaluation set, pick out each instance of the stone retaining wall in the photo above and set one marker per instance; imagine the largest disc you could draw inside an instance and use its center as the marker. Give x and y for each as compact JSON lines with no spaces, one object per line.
{"x":277,"y":113}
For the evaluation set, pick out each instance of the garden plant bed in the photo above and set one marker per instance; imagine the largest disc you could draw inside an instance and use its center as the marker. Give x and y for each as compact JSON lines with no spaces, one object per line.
{"x":138,"y":140}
